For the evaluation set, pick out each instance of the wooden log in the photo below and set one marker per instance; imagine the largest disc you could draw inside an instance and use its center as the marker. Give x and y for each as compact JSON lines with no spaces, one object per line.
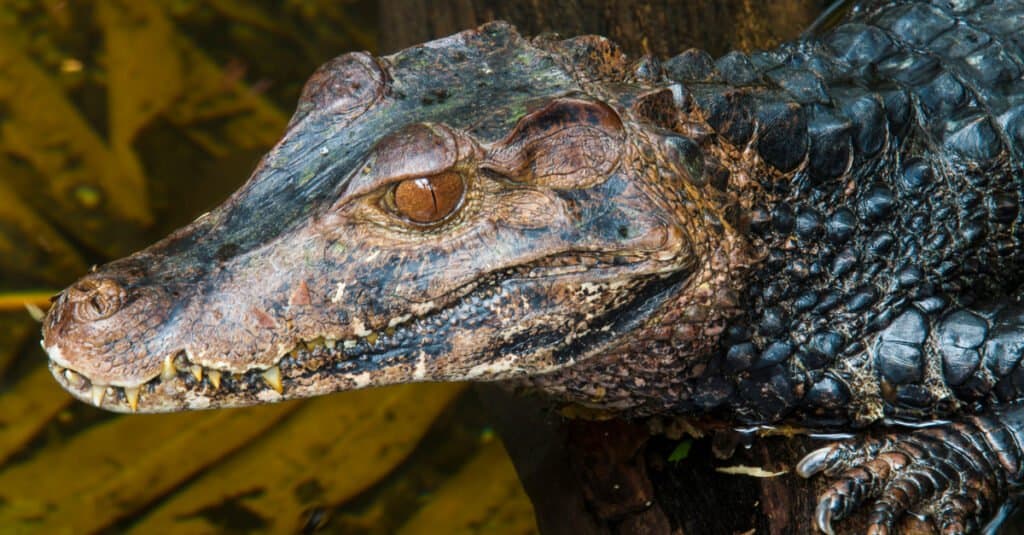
{"x":618,"y":477}
{"x":660,"y":27}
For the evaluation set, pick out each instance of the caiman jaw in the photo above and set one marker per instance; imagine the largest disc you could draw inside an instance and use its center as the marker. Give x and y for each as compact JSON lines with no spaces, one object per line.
{"x":182,"y":383}
{"x":394,"y":354}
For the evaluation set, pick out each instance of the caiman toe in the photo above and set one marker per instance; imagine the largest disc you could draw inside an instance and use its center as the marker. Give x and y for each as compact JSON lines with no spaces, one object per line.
{"x":957,"y":476}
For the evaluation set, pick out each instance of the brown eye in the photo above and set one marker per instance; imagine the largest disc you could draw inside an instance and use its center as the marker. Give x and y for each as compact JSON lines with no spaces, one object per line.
{"x":429,"y":199}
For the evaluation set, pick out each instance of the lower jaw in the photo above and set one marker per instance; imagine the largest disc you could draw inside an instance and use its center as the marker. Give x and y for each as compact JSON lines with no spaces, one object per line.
{"x":320,"y":367}
{"x":227,"y":391}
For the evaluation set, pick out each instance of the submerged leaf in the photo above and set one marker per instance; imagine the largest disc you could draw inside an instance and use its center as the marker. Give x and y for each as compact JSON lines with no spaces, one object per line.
{"x":681,"y":452}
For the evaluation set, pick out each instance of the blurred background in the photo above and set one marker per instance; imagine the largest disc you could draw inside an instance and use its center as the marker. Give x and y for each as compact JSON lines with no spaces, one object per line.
{"x":122,"y":120}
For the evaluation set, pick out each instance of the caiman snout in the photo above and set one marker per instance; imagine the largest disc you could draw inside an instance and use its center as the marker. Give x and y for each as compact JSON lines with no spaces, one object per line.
{"x":108,"y":327}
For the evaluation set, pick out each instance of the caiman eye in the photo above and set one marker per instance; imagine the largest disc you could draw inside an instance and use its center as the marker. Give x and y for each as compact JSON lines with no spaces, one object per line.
{"x":429,"y":199}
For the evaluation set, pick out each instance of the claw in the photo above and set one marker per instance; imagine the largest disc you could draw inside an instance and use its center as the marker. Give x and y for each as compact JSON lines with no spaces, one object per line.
{"x":954,"y":529}
{"x":813,"y":462}
{"x":992,"y":528}
{"x":954,"y":476}
{"x":952,"y":515}
{"x":823,"y":513}
{"x":878,"y":529}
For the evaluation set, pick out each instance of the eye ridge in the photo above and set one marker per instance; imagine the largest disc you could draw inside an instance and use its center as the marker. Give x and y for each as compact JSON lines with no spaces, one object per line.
{"x":428,"y":200}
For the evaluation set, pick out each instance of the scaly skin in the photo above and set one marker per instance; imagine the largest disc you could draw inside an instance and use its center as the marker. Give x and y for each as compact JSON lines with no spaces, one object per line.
{"x":827,"y":234}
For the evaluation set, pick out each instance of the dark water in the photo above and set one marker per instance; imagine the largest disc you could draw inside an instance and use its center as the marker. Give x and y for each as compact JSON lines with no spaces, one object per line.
{"x":120,"y":121}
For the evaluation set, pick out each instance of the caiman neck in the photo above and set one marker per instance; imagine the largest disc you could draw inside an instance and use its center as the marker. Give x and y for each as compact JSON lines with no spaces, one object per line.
{"x":757,"y":160}
{"x":664,"y":365}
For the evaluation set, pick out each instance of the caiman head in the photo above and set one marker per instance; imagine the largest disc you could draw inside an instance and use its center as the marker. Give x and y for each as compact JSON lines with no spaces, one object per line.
{"x":481,"y":207}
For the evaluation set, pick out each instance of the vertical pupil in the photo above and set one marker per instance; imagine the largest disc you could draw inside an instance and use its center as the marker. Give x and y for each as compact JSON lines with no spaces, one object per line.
{"x":429,"y":199}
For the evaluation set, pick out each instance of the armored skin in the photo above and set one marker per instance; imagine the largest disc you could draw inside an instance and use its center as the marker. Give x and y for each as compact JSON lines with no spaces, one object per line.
{"x":828,"y":234}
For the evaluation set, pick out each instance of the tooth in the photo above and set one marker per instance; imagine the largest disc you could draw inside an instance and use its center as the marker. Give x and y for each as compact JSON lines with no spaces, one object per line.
{"x":329,"y":343}
{"x":394,"y":322}
{"x":72,"y":377}
{"x":131,"y":393}
{"x":273,"y":378}
{"x":98,"y":391}
{"x":197,"y":372}
{"x":169,"y":371}
{"x":214,"y":377}
{"x":372,"y":338}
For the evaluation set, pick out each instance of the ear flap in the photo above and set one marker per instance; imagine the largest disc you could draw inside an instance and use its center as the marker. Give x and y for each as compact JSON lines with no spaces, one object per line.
{"x":568,"y":144}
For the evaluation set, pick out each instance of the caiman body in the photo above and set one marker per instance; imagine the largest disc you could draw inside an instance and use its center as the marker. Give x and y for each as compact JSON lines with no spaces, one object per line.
{"x":828,"y":234}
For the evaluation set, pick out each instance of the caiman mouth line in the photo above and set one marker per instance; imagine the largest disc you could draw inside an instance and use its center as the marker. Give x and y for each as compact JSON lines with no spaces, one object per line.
{"x":370,"y":350}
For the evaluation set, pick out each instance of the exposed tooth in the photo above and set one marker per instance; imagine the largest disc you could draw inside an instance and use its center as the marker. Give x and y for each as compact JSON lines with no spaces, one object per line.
{"x":73,"y":377}
{"x":59,"y":369}
{"x":98,"y":391}
{"x":394,"y":322}
{"x":359,"y":328}
{"x":372,"y":338}
{"x":273,"y":378}
{"x":214,"y":378}
{"x":131,"y":393}
{"x":197,"y":372}
{"x":329,"y":343}
{"x":181,"y":362}
{"x":169,"y":371}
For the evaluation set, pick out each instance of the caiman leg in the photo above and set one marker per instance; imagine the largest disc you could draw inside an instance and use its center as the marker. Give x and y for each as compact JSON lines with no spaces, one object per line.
{"x":961,"y":473}
{"x":957,"y":472}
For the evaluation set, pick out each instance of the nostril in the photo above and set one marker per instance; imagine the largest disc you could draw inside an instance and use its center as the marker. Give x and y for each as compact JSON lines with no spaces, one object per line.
{"x":95,"y":299}
{"x":99,"y":305}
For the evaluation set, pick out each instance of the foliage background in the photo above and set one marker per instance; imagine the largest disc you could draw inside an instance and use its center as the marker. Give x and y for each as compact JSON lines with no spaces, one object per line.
{"x":120,"y":121}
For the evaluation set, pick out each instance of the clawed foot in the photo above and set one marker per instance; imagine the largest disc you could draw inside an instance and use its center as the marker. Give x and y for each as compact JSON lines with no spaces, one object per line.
{"x":955,"y":475}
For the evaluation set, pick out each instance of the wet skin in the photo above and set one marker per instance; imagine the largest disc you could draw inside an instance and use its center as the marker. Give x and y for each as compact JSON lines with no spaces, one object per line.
{"x":828,"y":234}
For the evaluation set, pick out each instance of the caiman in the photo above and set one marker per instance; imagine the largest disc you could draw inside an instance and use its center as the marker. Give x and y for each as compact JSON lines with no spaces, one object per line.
{"x":828,"y":234}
